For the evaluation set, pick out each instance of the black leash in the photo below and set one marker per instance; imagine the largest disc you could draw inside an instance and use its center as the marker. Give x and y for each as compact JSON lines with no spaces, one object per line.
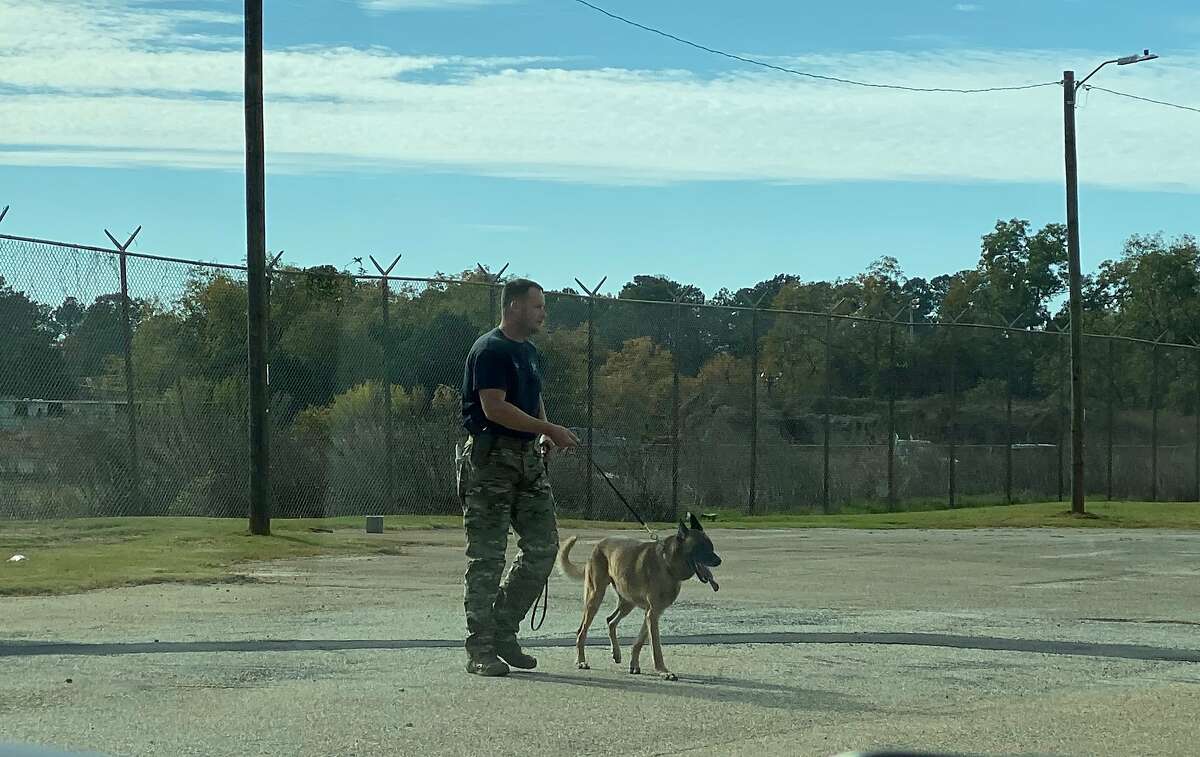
{"x":606,"y":476}
{"x":545,"y":600}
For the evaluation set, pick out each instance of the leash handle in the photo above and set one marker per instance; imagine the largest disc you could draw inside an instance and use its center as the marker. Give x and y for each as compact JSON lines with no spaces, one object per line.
{"x":544,"y":598}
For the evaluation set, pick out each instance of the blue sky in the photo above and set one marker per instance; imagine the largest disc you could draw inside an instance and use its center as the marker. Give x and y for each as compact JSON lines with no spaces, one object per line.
{"x":543,"y":135}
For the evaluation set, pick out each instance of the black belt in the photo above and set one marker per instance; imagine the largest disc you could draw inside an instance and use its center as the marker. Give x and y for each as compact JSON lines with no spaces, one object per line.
{"x":511,"y":442}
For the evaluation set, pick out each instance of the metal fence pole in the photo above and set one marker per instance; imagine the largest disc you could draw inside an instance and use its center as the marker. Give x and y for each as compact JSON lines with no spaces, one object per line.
{"x":591,"y":390}
{"x":953,"y":430}
{"x":591,"y":396}
{"x":891,"y":452}
{"x":1010,"y":357}
{"x":1195,"y":413}
{"x":675,"y":411}
{"x":134,"y":493}
{"x":753,"y":406}
{"x":268,"y":332}
{"x":267,"y":308}
{"x":494,"y":281}
{"x":385,"y":295}
{"x":1008,"y":424}
{"x":1111,"y":417}
{"x":1154,"y":424}
{"x":1062,"y":412}
{"x":826,"y":499}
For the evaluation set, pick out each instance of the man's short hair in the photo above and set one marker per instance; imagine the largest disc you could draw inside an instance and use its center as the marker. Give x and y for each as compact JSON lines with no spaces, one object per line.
{"x":515,"y":289}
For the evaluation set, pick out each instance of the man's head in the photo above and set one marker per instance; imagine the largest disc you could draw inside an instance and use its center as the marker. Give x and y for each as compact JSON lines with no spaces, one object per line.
{"x":523,"y":304}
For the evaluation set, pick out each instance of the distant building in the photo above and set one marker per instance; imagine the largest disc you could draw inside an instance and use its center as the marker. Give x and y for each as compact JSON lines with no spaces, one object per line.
{"x":23,"y":414}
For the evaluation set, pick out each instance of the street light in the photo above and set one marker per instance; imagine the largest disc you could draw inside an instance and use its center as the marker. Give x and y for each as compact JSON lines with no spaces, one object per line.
{"x":1070,"y":89}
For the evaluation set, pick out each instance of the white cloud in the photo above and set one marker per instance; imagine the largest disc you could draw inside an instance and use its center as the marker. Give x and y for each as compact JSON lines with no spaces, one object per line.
{"x":123,"y":97}
{"x":967,"y":7}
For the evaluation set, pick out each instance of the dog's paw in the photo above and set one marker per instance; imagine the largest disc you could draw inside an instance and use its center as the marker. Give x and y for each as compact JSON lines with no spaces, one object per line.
{"x":583,"y":666}
{"x":616,"y":655}
{"x":667,"y":676}
{"x":634,"y":670}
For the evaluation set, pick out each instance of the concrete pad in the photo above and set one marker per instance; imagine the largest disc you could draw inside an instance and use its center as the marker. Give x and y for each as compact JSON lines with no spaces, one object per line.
{"x":819,"y":642}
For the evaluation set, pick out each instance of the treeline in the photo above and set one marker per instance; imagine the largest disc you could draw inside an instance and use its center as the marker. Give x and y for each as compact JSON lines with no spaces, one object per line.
{"x":663,"y":359}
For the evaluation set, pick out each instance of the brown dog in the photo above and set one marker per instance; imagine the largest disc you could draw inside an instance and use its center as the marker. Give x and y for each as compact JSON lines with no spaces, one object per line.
{"x":646,"y":575}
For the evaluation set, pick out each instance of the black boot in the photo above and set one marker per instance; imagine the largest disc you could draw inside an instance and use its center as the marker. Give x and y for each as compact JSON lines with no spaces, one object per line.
{"x":486,"y":665}
{"x":510,"y":651}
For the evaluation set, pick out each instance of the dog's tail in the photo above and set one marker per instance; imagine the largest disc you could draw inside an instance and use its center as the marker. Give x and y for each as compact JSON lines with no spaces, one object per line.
{"x":565,"y":566}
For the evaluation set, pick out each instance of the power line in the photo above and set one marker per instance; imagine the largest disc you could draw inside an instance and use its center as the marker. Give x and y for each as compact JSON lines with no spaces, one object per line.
{"x":1143,"y":99}
{"x":795,"y":72}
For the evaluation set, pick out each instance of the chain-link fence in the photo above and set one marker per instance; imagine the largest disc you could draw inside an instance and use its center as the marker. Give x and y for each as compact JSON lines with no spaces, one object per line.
{"x":123,"y":391}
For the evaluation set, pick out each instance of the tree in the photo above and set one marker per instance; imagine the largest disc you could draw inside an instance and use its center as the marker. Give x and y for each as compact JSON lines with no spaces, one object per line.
{"x":564,"y":373}
{"x":68,"y":316}
{"x":30,"y":364}
{"x":1021,"y":273}
{"x":1153,"y":292}
{"x":99,"y":334}
{"x":635,"y":388}
{"x":1154,"y":287}
{"x":660,"y":289}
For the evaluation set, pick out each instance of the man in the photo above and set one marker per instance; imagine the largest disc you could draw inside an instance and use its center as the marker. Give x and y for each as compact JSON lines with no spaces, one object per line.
{"x":503,"y":481}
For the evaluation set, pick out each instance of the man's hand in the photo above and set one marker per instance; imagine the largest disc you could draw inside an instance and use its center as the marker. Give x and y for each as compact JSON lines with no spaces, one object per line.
{"x":559,"y":436}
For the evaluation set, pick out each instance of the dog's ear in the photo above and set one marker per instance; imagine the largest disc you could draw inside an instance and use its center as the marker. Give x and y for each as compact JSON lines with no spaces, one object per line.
{"x":683,"y":529}
{"x":695,"y":523}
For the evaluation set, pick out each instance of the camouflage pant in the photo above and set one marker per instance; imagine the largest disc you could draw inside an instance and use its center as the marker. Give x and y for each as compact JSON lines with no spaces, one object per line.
{"x":506,"y":485}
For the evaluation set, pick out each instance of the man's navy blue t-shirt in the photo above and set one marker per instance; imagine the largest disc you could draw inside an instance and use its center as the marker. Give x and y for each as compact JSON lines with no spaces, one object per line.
{"x":497,"y":362}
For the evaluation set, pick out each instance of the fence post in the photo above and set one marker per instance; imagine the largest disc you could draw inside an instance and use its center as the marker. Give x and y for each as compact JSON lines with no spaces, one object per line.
{"x":891,"y":452}
{"x":1111,"y":419}
{"x":268,"y":342}
{"x":135,"y":480}
{"x":1196,"y":420}
{"x":1008,"y":424}
{"x":827,"y":391}
{"x":388,"y":434}
{"x":1062,"y":411}
{"x":1010,"y":358}
{"x":675,"y":410}
{"x":753,"y":404}
{"x":953,"y":431}
{"x":826,"y":500}
{"x":591,"y":389}
{"x":493,"y":280}
{"x":1154,"y":423}
{"x":267,"y":308}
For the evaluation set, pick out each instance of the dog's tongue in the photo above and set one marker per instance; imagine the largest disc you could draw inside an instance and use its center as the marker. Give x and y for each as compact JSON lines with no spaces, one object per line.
{"x":705,"y":575}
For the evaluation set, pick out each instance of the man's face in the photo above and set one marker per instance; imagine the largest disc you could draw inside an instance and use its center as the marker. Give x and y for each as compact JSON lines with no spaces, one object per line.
{"x":529,"y":312}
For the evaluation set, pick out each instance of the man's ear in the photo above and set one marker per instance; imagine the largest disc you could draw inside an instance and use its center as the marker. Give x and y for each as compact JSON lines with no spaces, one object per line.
{"x":695,"y":523}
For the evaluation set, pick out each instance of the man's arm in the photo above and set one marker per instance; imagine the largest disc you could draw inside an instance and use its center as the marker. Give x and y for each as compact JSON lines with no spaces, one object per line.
{"x":499,"y":410}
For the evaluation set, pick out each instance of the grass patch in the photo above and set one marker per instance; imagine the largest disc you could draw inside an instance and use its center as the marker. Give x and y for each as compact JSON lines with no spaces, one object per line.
{"x":94,"y":553}
{"x":1180,"y":515}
